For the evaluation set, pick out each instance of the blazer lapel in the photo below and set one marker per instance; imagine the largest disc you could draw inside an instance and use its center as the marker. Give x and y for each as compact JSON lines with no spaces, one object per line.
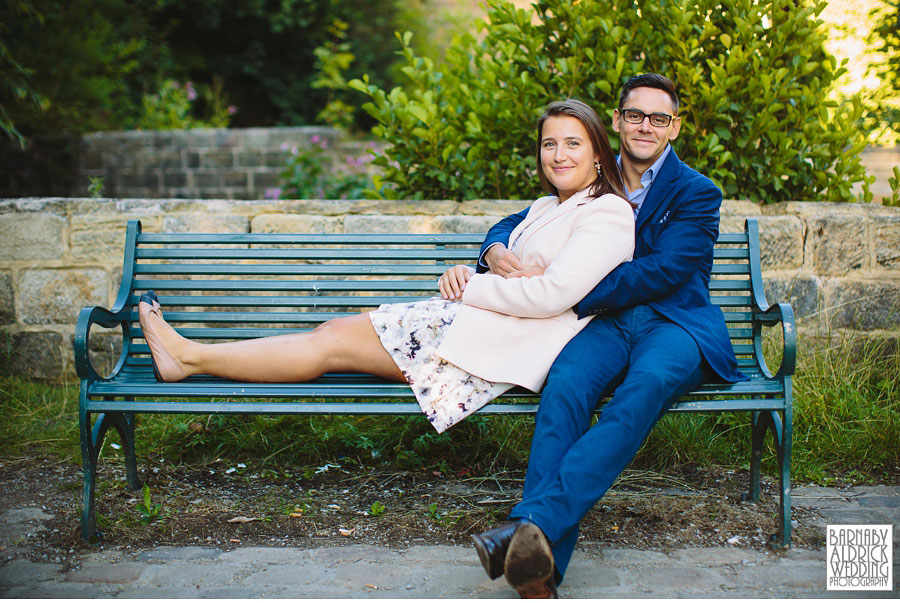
{"x":660,"y":190}
{"x":549,"y":216}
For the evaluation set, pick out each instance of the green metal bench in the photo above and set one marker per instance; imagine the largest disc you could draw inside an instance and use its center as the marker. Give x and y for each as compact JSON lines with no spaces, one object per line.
{"x":217,"y":287}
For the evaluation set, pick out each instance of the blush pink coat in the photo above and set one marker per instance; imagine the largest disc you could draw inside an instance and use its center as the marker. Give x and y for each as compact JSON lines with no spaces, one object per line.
{"x":511,"y":330}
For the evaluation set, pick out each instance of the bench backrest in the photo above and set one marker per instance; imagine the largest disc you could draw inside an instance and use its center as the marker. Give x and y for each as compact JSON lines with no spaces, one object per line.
{"x":216,"y":287}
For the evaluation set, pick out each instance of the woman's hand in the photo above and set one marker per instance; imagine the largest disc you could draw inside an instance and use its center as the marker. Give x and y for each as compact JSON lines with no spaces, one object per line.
{"x":526,"y":272}
{"x":453,"y":281}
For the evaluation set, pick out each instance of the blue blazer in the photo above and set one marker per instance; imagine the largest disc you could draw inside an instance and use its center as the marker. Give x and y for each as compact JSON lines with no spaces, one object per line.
{"x":675,"y":231}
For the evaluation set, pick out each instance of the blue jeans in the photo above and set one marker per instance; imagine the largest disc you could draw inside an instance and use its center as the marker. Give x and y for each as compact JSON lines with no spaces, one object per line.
{"x":649,"y":361}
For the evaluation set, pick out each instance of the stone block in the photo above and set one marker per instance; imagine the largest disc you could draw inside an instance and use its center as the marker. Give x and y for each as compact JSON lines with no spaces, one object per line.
{"x":249,"y":159}
{"x":104,"y":349}
{"x":226,"y":138}
{"x":463,"y":224}
{"x":731,"y":224}
{"x":263,"y":180}
{"x":836,"y":243}
{"x":862,"y":305}
{"x":137,"y":179}
{"x":167,"y":159}
{"x":192,"y":159}
{"x":276,"y":159}
{"x":34,"y":355}
{"x":802,"y":292}
{"x":174,"y":179}
{"x":100,"y":237}
{"x":32,"y":236}
{"x":740,"y":208}
{"x":7,"y":299}
{"x":205,"y":179}
{"x":235,"y":179}
{"x":781,"y":242}
{"x":218,"y":159}
{"x":205,"y":222}
{"x":887,"y":241}
{"x":388,"y":224}
{"x":56,"y":296}
{"x":202,"y":137}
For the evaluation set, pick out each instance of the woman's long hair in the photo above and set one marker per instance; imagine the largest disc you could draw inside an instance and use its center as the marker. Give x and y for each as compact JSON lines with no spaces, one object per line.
{"x":610,"y":181}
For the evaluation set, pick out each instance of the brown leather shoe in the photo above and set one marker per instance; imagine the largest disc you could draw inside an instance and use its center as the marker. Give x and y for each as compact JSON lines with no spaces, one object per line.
{"x":491,"y":547}
{"x":529,"y":563}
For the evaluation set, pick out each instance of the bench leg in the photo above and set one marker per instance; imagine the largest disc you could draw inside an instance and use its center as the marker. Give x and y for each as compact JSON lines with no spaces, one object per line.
{"x":781,"y":433}
{"x":91,"y":443}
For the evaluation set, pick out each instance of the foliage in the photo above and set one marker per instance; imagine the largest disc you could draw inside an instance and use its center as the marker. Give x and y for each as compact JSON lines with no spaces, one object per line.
{"x":377,"y":509}
{"x":883,"y":119}
{"x":86,"y":66}
{"x":894,"y":182}
{"x":263,"y":50}
{"x":148,"y":509}
{"x":173,"y":108}
{"x":80,"y":59}
{"x":753,"y":79}
{"x":332,"y":60}
{"x":95,"y":187}
{"x":312,"y":173}
{"x":15,"y":83}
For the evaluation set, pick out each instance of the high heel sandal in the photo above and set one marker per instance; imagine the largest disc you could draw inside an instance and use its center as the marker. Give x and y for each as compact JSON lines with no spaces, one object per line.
{"x":165,"y":367}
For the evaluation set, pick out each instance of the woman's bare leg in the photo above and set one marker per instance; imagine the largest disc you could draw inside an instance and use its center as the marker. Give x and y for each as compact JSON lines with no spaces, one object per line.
{"x":342,"y":344}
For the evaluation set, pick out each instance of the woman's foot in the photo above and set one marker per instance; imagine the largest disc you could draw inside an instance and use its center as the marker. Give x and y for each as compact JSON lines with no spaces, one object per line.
{"x":165,"y":366}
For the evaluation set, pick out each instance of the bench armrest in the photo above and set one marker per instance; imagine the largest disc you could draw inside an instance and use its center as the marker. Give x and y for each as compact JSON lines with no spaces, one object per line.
{"x":91,"y":315}
{"x":783,"y":313}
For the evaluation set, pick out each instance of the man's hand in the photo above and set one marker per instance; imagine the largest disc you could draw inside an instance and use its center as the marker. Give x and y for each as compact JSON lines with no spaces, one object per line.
{"x":502,"y":261}
{"x":453,"y":281}
{"x":526,"y":272}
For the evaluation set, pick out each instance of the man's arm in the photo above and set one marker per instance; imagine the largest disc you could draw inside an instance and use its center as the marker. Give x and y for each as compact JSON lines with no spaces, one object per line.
{"x":498,"y":234}
{"x":679,"y":250}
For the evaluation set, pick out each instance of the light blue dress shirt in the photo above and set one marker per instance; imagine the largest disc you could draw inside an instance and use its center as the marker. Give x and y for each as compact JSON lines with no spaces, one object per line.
{"x":637,"y":197}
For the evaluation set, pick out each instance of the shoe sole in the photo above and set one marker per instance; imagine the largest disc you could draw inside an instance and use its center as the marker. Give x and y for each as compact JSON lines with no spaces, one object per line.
{"x":529,"y":563}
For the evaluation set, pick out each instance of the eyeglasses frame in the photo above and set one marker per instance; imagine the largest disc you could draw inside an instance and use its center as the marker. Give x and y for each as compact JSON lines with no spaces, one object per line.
{"x":647,"y":116}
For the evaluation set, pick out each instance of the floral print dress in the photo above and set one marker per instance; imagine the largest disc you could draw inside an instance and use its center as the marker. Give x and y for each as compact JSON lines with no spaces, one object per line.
{"x":411,"y":333}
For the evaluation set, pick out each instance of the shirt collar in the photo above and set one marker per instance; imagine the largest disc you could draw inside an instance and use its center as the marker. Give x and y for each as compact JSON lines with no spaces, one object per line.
{"x":648,"y":176}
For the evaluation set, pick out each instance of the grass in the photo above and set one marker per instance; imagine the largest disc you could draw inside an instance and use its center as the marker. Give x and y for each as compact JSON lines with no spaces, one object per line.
{"x":846,"y":428}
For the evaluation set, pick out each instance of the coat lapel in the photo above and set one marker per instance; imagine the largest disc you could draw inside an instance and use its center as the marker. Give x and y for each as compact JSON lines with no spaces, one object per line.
{"x":551,"y":214}
{"x":660,"y":191}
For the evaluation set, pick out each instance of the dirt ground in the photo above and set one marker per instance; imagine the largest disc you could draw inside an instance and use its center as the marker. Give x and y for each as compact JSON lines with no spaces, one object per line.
{"x":230,"y":506}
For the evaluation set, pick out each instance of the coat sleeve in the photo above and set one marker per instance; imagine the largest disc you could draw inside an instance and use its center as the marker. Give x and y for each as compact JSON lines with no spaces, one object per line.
{"x":680,"y":248}
{"x":499,"y":233}
{"x":602,"y":238}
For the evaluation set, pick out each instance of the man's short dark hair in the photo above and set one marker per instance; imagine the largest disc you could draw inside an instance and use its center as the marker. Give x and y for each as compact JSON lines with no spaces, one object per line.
{"x":649,"y":80}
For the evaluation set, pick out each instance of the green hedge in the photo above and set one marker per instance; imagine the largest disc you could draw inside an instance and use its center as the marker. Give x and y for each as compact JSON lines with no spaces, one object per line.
{"x":753,"y":77}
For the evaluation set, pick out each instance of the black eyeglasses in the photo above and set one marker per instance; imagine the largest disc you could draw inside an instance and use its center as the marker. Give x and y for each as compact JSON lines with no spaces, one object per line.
{"x":634,"y":116}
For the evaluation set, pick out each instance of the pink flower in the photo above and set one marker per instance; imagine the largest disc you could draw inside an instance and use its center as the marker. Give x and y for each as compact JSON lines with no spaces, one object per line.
{"x":232,"y":109}
{"x":192,"y":94}
{"x":273,"y":193}
{"x":284,"y":146}
{"x":315,"y":139}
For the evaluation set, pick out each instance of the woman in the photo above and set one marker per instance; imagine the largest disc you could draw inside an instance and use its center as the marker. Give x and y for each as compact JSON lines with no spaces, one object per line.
{"x":486,"y":333}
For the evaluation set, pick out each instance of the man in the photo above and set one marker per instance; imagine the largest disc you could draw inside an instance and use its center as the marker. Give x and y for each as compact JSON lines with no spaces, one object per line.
{"x":655,"y":336}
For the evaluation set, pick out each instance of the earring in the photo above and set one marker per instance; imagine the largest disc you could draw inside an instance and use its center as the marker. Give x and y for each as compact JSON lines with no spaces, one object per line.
{"x":598,"y":168}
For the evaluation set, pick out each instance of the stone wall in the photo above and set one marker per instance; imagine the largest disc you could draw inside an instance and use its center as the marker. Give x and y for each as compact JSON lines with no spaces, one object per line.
{"x":838,"y":264}
{"x":205,"y":163}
